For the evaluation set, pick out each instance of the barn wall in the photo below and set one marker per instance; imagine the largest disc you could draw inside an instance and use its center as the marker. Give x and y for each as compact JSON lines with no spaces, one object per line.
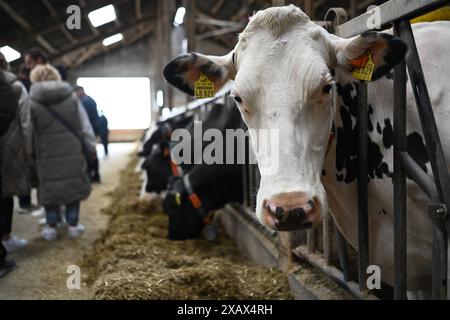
{"x":129,"y":61}
{"x":135,"y":60}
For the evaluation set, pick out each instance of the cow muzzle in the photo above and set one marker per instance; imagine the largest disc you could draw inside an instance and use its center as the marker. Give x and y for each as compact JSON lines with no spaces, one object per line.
{"x":290,"y":211}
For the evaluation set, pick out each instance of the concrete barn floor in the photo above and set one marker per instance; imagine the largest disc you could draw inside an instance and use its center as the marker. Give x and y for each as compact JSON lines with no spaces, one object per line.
{"x":42,"y":266}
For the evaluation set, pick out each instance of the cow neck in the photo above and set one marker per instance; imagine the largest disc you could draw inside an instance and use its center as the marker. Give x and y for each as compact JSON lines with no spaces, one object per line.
{"x":195,"y":200}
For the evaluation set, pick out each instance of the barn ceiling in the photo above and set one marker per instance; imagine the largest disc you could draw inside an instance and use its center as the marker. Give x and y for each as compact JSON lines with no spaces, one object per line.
{"x":42,"y":23}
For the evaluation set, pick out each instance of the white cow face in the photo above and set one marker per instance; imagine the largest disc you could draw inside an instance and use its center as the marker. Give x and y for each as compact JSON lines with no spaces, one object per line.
{"x":283,"y":70}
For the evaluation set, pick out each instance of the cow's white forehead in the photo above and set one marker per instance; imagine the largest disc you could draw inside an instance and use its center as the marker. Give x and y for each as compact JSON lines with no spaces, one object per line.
{"x":275,"y":20}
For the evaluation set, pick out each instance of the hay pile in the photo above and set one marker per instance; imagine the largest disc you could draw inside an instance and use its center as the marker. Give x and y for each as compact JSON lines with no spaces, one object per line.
{"x":133,"y":259}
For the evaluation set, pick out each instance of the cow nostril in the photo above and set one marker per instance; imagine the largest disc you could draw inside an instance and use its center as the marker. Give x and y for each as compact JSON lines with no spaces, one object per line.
{"x":279,"y":212}
{"x":298,"y":213}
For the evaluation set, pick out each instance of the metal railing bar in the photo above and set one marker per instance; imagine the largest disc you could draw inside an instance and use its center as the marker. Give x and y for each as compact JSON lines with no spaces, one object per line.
{"x":400,"y":147}
{"x":416,"y":173}
{"x":389,"y":12}
{"x":439,"y":266}
{"x":363,"y":181}
{"x":342,"y":247}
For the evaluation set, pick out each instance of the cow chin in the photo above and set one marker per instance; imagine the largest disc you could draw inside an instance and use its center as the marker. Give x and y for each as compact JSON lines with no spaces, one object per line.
{"x":289,"y":211}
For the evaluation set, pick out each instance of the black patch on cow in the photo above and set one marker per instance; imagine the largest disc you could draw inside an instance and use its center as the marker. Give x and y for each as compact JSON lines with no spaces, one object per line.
{"x":369,"y":119}
{"x":379,"y":130}
{"x":388,"y":134}
{"x":347,"y":143}
{"x":417,"y":150}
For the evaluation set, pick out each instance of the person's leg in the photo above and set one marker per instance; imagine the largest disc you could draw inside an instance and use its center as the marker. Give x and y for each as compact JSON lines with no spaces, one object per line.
{"x":73,"y":213}
{"x":25,"y":201}
{"x":95,"y":171}
{"x":3,"y":251}
{"x":7,"y":216}
{"x":6,"y":266}
{"x":52,"y":215}
{"x":11,"y":243}
{"x":26,"y":206}
{"x":75,"y":229}
{"x":105,"y":144}
{"x":50,"y":232}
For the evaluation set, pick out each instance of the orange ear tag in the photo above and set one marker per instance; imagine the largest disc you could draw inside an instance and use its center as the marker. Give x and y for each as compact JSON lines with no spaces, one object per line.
{"x":364,"y":67}
{"x":204,"y":88}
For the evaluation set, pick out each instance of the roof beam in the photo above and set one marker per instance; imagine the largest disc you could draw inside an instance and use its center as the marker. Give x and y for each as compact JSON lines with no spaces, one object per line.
{"x":51,"y":9}
{"x":26,"y":25}
{"x":95,"y":39}
{"x":204,"y":19}
{"x":138,"y":9}
{"x":93,"y":29}
{"x":218,"y":32}
{"x":217,"y":6}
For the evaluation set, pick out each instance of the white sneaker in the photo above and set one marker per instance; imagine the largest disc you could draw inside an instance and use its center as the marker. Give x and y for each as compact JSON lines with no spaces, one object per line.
{"x":38,"y":213}
{"x":75,"y":232}
{"x":49,"y":234}
{"x":14,"y":244}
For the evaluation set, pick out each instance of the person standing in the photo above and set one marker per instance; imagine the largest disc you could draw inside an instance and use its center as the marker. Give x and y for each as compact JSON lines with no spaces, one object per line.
{"x":103,"y":131}
{"x":15,"y":147}
{"x":33,"y":58}
{"x":64,"y":142}
{"x":8,"y":110}
{"x":90,"y":106}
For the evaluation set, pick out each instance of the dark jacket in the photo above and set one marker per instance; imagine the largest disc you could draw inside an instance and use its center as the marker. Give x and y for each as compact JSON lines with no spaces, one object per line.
{"x":8,"y":104}
{"x":15,"y":146}
{"x":91,"y":109}
{"x":61,"y":165}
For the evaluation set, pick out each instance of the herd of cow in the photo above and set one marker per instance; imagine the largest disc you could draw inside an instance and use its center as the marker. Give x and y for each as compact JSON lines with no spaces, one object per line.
{"x":293,"y":76}
{"x":193,"y":191}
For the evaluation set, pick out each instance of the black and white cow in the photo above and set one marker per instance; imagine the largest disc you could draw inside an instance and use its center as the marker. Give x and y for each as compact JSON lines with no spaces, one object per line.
{"x":284,"y":66}
{"x":206,"y":187}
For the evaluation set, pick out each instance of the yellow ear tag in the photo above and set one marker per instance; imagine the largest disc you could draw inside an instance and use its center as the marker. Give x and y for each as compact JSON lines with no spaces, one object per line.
{"x":365,"y":72}
{"x":204,"y":88}
{"x":178,"y":199}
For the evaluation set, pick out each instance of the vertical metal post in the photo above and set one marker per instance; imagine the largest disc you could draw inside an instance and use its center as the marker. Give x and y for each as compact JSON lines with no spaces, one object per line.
{"x":343,"y":253}
{"x":400,"y":238}
{"x":363,"y":218}
{"x":327,"y":235}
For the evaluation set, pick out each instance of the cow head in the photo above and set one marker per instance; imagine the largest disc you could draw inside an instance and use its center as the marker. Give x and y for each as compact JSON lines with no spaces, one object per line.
{"x":283,"y":67}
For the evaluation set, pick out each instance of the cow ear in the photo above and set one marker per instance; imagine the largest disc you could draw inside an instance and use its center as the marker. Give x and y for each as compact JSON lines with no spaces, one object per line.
{"x":387,"y":50}
{"x":185,"y":70}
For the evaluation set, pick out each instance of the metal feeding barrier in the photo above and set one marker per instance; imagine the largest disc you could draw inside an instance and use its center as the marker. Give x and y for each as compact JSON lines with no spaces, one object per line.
{"x":396,"y":14}
{"x":330,"y":253}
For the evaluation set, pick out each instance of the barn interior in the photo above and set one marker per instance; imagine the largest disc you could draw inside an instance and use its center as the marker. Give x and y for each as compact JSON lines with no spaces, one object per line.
{"x":147,"y":40}
{"x":116,"y":50}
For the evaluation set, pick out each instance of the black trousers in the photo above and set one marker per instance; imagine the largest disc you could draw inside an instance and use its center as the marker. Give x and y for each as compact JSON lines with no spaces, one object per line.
{"x":94,"y":169}
{"x":7,"y":210}
{"x":3,"y":251}
{"x":25,"y":201}
{"x":105,"y":141}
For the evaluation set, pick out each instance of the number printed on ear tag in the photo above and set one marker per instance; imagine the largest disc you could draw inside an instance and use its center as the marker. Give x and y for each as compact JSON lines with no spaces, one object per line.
{"x":365,"y":72}
{"x":204,"y":88}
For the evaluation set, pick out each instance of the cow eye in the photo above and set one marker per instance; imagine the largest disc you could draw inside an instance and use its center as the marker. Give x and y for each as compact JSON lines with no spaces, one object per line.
{"x":327,"y":89}
{"x":237,"y":99}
